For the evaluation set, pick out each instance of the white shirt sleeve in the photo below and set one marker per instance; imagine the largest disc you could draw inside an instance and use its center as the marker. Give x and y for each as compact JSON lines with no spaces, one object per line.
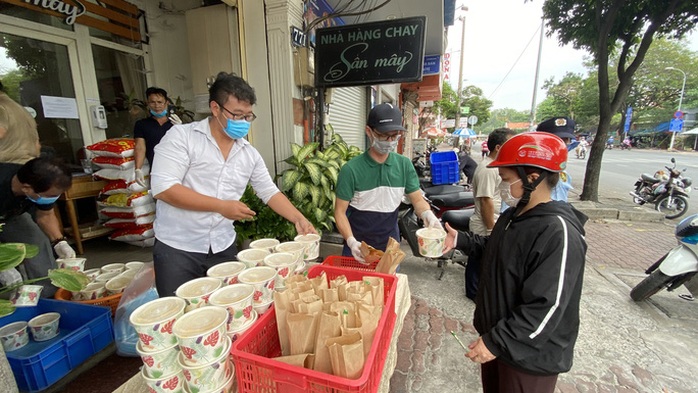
{"x":261,"y":181}
{"x":171,"y":160}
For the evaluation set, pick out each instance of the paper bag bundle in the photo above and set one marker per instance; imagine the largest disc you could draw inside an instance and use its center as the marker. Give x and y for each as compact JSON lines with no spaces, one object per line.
{"x":391,"y":259}
{"x":329,"y":326}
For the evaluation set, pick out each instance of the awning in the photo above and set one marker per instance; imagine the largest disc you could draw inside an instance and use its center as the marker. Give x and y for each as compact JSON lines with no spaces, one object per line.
{"x":434,"y":132}
{"x":690,"y":132}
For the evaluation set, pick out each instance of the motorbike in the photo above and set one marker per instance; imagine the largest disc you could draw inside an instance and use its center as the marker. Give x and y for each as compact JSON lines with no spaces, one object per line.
{"x":676,"y":267}
{"x":669,"y":194}
{"x":625,"y":145}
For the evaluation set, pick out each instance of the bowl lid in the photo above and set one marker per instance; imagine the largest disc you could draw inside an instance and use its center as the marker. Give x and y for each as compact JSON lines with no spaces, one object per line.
{"x":201,"y":320}
{"x":158,"y":310}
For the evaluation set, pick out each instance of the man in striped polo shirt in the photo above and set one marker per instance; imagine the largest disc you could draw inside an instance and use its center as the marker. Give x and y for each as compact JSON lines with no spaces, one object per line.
{"x":371,"y":186}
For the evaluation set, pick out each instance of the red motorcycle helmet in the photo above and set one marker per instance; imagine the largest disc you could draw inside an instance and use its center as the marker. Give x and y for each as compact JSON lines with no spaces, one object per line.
{"x":536,"y":149}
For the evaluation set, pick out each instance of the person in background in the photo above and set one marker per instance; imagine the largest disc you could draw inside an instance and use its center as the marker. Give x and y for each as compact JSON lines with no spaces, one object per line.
{"x":33,"y":188}
{"x":199,"y":174}
{"x":149,"y":131}
{"x":527,"y":306}
{"x":371,"y":186}
{"x":485,"y":149}
{"x":485,"y":183}
{"x":19,"y":138}
{"x":562,"y":127}
{"x":467,"y":164}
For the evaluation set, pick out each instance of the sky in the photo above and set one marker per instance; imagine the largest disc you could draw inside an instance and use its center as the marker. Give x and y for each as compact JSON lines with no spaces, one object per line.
{"x":496,"y":34}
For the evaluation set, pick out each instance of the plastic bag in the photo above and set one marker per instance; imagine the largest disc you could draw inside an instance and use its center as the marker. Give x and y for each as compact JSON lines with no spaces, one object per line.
{"x":140,"y":291}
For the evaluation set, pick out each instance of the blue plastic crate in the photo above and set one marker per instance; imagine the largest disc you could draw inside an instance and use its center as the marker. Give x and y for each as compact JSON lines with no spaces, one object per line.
{"x":84,"y":331}
{"x":444,"y":167}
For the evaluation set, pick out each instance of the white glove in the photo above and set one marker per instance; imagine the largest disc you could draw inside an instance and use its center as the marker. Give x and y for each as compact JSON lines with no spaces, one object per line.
{"x":174,"y":119}
{"x":10,"y":277}
{"x":355,"y":247}
{"x":430,"y":220}
{"x":140,"y":179}
{"x":63,"y":250}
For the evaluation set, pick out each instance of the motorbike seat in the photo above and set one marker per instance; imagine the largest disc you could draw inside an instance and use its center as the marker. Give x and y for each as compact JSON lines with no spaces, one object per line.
{"x":458,"y":219}
{"x":455,"y":199}
{"x":442,"y":189}
{"x":649,"y":178}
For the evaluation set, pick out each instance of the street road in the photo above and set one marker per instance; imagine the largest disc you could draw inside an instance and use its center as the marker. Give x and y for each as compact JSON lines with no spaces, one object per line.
{"x":621,"y":168}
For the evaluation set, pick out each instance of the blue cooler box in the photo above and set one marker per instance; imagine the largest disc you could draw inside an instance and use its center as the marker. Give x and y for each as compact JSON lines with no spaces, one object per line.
{"x":84,"y":331}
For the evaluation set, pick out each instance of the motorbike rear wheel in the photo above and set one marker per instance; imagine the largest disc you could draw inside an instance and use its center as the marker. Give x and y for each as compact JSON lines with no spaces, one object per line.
{"x":652,"y":284}
{"x":676,"y":209}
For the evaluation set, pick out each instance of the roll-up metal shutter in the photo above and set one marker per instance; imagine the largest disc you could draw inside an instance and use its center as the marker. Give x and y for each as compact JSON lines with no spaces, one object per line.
{"x":348,"y":114}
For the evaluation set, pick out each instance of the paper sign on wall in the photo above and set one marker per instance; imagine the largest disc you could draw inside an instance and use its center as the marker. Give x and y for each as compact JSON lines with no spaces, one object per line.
{"x":59,"y":107}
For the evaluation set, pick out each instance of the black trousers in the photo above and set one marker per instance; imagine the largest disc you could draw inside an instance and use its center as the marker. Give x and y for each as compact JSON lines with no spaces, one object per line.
{"x":174,"y":267}
{"x":499,"y":377}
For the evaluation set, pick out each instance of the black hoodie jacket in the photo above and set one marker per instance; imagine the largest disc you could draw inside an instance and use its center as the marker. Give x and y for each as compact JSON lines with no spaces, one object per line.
{"x":527,"y":307}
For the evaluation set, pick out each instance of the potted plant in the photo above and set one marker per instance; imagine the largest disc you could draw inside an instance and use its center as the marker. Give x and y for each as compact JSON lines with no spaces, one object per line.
{"x":310,"y":186}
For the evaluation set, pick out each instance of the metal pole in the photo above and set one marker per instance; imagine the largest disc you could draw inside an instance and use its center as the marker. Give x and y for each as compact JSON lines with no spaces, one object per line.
{"x":683,"y":87}
{"x":460,"y":69}
{"x":535,"y":82}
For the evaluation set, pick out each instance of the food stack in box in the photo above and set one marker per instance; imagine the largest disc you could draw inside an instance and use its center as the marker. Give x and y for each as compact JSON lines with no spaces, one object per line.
{"x":126,"y":206}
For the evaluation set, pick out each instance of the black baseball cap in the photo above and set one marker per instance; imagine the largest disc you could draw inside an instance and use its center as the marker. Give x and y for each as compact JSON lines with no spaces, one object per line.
{"x":385,"y":118}
{"x":562,"y":127}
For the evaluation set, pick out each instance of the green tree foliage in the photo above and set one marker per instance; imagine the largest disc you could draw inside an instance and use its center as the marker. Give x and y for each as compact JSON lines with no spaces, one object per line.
{"x":500,"y":117}
{"x":11,"y":81}
{"x":471,"y":96}
{"x":610,"y":29}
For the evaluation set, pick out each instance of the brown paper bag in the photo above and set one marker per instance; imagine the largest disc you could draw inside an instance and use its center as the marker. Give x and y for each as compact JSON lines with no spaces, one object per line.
{"x":360,"y":295}
{"x":294,"y":279}
{"x":370,"y":254}
{"x":309,"y":305}
{"x":329,"y":295}
{"x":377,"y":288}
{"x":301,"y":329}
{"x":282,"y":304}
{"x":391,"y":259}
{"x":346,"y":355}
{"x":328,"y":327}
{"x":305,"y":360}
{"x":319,"y":282}
{"x":347,"y":313}
{"x":369,"y":316}
{"x":338,"y":281}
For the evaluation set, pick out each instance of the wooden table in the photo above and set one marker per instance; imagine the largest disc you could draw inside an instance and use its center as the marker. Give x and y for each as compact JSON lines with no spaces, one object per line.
{"x":84,"y":186}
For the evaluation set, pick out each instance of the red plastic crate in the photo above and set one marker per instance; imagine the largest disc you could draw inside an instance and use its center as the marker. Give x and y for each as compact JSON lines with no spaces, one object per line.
{"x":349,"y":263}
{"x":257,"y":372}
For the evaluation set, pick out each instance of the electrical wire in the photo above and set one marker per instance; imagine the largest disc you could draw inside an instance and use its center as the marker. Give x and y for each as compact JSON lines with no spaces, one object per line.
{"x":514,"y":65}
{"x":336,"y":14}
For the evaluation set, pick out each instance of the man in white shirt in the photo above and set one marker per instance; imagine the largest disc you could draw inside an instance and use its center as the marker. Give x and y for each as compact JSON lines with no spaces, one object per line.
{"x":199,"y":176}
{"x":485,"y":183}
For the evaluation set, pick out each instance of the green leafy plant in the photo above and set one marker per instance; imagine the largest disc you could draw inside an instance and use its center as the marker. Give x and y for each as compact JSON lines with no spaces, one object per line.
{"x":310,"y":186}
{"x":183,"y":113}
{"x":12,"y":254}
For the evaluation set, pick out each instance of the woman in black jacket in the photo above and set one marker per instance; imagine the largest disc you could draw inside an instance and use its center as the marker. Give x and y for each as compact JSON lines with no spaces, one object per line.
{"x":527,"y":306}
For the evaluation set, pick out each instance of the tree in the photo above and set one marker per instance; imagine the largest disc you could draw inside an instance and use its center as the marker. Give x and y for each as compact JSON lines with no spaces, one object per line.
{"x":471,"y":96}
{"x":500,"y":117}
{"x":609,"y":27}
{"x":11,"y":81}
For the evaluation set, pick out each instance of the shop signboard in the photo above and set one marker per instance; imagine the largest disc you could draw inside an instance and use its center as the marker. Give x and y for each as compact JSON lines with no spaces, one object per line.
{"x":432,"y":65}
{"x":390,"y":51}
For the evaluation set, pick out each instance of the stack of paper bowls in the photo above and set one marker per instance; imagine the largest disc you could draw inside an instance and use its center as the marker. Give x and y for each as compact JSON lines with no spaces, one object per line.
{"x":157,"y":345}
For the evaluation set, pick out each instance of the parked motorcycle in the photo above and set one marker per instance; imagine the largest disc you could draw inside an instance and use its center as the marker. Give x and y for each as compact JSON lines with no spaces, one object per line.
{"x":676,"y":267}
{"x":669,"y":194}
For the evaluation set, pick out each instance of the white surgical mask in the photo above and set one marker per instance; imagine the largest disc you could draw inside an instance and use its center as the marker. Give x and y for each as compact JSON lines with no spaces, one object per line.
{"x":505,"y":193}
{"x":384,"y":147}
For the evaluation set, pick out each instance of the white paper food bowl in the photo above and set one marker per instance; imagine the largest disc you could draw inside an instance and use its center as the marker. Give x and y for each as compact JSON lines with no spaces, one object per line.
{"x":431,"y":242}
{"x":252,"y":256}
{"x":158,"y":310}
{"x":265,"y":244}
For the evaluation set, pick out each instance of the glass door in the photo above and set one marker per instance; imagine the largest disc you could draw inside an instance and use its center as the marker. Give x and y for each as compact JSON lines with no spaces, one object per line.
{"x":38,"y":76}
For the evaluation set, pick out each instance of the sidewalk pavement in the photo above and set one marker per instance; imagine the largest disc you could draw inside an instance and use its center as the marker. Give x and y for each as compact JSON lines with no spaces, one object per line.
{"x":623,"y":346}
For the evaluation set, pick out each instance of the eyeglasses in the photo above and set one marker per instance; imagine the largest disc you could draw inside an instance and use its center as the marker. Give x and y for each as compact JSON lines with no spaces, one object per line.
{"x":239,"y":116}
{"x":384,"y":138}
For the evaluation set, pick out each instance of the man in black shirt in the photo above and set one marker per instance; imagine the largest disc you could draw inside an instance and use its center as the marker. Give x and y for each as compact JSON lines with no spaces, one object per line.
{"x":34,"y":188}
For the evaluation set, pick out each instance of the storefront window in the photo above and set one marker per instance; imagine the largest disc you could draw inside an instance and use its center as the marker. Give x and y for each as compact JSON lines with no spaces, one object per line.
{"x":121,"y":83}
{"x":34,"y":16}
{"x":31,"y":70}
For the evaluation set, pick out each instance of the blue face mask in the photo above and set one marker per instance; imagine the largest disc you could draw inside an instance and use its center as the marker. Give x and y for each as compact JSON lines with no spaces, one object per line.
{"x":160,"y":114}
{"x":43,"y":200}
{"x":237,"y":129}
